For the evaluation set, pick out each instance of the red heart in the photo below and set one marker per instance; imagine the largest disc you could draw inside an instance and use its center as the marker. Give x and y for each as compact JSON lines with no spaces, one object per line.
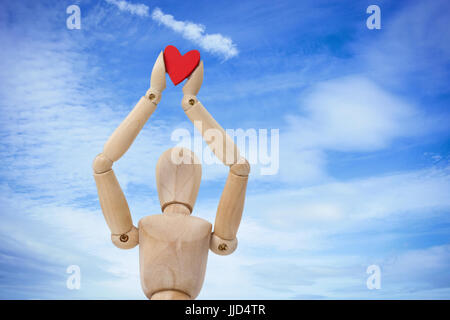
{"x":178,"y":66}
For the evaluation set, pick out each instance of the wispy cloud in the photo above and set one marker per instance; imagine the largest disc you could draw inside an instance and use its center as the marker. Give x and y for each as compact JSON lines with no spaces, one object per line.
{"x":316,"y":227}
{"x":216,"y":43}
{"x":137,"y":9}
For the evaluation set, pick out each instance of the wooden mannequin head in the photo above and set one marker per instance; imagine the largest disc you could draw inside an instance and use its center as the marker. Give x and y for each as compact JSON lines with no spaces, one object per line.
{"x":178,"y":176}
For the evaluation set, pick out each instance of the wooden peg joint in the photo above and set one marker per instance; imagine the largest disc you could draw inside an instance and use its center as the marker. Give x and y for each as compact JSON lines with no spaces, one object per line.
{"x":126,"y":240}
{"x":188,"y":101}
{"x":221,"y":246}
{"x":153,"y":95}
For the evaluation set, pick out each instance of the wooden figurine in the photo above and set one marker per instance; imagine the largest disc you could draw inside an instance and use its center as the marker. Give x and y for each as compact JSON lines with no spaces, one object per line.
{"x":174,"y":245}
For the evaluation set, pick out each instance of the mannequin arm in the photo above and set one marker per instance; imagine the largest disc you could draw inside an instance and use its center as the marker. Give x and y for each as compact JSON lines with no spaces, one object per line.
{"x":112,"y":200}
{"x":231,"y":205}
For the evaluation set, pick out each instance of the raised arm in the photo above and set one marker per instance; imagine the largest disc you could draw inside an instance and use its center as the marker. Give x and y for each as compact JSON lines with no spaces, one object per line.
{"x":112,"y":200}
{"x":231,"y":205}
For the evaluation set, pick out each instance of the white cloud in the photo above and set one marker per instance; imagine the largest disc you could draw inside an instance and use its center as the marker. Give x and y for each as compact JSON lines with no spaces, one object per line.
{"x":301,"y":239}
{"x":332,"y":203}
{"x":413,"y":274}
{"x":214,"y":43}
{"x":295,"y":237}
{"x":350,"y":114}
{"x":345,"y":114}
{"x":307,"y":219}
{"x":422,"y":269}
{"x":137,"y":9}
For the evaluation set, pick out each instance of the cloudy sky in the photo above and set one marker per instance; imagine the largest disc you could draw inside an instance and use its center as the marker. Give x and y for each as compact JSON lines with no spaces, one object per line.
{"x":364,"y":143}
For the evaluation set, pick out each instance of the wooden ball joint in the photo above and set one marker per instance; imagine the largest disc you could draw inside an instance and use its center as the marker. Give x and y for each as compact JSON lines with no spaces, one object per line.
{"x":173,"y":245}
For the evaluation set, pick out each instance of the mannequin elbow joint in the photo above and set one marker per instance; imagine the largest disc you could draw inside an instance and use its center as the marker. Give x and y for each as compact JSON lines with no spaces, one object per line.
{"x":241,"y":168}
{"x":101,"y":164}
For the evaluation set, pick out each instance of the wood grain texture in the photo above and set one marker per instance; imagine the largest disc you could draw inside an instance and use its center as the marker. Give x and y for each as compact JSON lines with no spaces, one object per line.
{"x":231,"y":205}
{"x":113,"y":203}
{"x":177,"y":208}
{"x":194,"y":82}
{"x":173,"y":252}
{"x":158,"y":77}
{"x":122,"y":138}
{"x":112,"y":199}
{"x":178,"y":177}
{"x":215,"y":136}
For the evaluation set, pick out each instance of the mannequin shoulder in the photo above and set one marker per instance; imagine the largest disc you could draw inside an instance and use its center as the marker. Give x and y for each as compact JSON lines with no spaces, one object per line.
{"x":172,"y":226}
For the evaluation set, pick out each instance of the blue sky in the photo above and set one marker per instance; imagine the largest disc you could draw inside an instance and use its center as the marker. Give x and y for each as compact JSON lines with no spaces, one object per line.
{"x":364,"y":173}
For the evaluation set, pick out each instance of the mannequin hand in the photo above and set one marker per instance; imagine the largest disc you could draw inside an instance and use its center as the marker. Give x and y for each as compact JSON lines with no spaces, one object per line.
{"x":158,"y":80}
{"x":192,"y":87}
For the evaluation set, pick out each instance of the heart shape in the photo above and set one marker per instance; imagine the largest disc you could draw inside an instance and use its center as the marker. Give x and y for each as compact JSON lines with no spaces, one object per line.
{"x":178,"y":66}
